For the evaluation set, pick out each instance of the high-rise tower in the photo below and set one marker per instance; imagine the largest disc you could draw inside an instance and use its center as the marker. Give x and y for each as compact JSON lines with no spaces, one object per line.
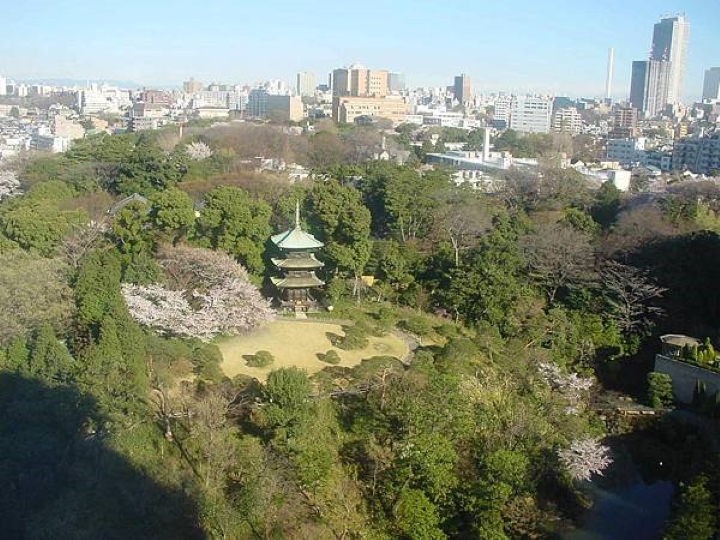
{"x":609,"y":78}
{"x":711,"y":84}
{"x":462,"y":89}
{"x":670,"y":44}
{"x":649,"y":86}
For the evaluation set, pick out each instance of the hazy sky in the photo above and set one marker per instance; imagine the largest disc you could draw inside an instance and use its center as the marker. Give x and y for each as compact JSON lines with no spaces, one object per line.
{"x":557,"y":46}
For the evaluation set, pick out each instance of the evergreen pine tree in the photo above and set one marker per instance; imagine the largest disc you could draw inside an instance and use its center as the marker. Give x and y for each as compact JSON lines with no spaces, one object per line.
{"x":49,"y":359}
{"x":17,"y":355}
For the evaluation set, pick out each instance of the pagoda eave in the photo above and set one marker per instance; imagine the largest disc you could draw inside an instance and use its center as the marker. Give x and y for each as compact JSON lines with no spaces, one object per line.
{"x":297,"y":282}
{"x":304,"y":263}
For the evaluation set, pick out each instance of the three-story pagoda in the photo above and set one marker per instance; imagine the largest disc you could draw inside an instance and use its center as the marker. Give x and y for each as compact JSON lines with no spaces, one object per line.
{"x":298,"y":266}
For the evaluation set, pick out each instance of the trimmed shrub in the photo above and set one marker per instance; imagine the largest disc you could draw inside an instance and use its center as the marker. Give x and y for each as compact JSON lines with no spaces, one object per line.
{"x":355,"y":338}
{"x":260,"y":359}
{"x":387,"y":316}
{"x":660,"y":394}
{"x":417,"y":324}
{"x":331,"y":357}
{"x":207,"y":360}
{"x":448,"y":330}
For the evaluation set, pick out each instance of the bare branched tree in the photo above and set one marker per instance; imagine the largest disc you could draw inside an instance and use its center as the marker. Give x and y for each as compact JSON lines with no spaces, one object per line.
{"x":631,"y":293}
{"x":462,"y":220}
{"x":79,"y":242}
{"x":559,"y":255}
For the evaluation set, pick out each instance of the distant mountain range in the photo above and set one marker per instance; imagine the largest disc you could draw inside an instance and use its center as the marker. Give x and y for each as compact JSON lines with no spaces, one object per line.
{"x":83,"y":82}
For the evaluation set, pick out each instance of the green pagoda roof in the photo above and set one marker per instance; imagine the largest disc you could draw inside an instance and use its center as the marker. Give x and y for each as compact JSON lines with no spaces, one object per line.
{"x":296,"y":238}
{"x":297,"y":282}
{"x":298,"y":263}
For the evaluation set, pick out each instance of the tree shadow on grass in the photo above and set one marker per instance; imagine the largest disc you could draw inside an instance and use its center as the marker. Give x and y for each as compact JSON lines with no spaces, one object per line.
{"x":60,"y":480}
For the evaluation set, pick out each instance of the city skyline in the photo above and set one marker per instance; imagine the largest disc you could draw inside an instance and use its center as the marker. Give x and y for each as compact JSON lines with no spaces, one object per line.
{"x":516,"y":47}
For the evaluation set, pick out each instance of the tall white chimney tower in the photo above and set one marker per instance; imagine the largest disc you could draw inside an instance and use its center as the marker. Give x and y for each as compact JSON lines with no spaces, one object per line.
{"x":608,"y":80}
{"x":486,"y":145}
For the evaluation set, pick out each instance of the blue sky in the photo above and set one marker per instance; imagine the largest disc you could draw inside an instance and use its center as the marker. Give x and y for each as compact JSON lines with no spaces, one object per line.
{"x":557,"y":46}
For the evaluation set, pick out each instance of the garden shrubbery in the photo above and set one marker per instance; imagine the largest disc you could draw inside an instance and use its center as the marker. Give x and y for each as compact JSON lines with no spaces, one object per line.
{"x":260,"y":359}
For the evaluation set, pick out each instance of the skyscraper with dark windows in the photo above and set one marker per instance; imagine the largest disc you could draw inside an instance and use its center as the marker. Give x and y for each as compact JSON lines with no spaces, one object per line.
{"x":649,"y":86}
{"x":462,"y":89}
{"x":670,"y":44}
{"x":659,"y":80}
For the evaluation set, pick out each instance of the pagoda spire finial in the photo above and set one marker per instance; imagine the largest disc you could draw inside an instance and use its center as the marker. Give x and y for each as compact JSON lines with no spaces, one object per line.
{"x":297,"y":214}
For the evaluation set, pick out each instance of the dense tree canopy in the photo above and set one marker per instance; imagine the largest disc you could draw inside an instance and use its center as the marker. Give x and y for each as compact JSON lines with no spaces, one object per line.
{"x":230,"y":220}
{"x":521,"y":308}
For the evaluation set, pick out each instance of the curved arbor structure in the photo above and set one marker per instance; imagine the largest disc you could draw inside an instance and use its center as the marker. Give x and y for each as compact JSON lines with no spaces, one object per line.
{"x":298,"y":266}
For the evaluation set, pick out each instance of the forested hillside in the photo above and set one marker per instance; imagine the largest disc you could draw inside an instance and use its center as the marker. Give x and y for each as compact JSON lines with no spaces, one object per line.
{"x":123,"y":259}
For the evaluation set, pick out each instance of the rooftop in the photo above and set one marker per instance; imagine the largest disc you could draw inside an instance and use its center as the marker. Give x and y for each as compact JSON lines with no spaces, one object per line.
{"x":296,"y":238}
{"x":297,"y":282}
{"x":298,"y":263}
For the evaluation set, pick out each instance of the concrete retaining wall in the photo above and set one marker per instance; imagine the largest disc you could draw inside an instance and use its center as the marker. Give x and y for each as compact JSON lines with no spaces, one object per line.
{"x":685,"y":377}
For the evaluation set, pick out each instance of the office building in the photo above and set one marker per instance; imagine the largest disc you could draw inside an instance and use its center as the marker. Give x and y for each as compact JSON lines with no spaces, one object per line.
{"x":530,"y":114}
{"x":711,"y":84}
{"x":624,"y":123}
{"x":567,"y":120}
{"x":280,"y":108}
{"x":501,"y":116}
{"x":358,"y":81}
{"x":669,"y":44}
{"x":462,"y":89}
{"x":158,"y":97}
{"x":3,"y":85}
{"x":396,"y":83}
{"x":346,"y":109}
{"x":369,"y":89}
{"x":649,"y":86}
{"x":192,"y":86}
{"x":306,"y":84}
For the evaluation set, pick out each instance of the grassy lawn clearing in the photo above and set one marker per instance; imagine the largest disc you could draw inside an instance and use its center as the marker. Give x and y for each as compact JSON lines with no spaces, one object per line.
{"x":298,"y":343}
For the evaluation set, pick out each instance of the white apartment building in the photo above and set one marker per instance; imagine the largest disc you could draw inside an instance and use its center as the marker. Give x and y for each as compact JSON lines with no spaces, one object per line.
{"x":306,"y":84}
{"x":530,"y":114}
{"x":627,"y":152}
{"x":97,"y":99}
{"x":567,"y":120}
{"x":699,"y":153}
{"x":502,"y":109}
{"x":235,"y":100}
{"x":3,"y":86}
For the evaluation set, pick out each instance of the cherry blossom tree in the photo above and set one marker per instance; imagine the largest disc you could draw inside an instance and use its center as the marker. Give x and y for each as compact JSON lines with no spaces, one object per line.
{"x":198,"y":151}
{"x":570,"y":385}
{"x":206,"y":294}
{"x":584,"y":458}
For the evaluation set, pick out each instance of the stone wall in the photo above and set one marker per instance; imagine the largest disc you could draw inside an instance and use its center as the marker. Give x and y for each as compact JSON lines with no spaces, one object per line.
{"x":685,"y":376}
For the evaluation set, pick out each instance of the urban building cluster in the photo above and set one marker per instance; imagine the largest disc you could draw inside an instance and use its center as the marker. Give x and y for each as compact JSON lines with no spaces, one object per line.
{"x":652,"y":130}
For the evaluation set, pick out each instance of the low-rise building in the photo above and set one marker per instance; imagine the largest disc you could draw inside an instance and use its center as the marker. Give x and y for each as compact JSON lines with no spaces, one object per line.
{"x":69,"y":129}
{"x":212,"y":112}
{"x":627,"y":152}
{"x":283,"y":108}
{"x":347,"y":108}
